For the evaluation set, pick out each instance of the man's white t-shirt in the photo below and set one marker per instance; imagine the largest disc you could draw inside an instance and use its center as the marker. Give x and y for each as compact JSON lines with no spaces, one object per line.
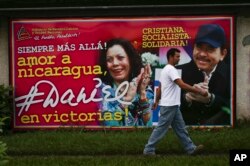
{"x":170,"y":91}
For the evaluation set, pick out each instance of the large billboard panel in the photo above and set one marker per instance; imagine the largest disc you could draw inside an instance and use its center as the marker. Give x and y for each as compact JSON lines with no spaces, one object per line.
{"x":103,"y":72}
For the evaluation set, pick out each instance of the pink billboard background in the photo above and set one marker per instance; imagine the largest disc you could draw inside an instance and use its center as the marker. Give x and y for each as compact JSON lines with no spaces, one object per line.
{"x":55,"y":62}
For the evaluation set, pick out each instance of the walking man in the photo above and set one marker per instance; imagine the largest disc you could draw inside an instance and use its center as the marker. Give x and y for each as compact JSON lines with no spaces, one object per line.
{"x":168,"y":97}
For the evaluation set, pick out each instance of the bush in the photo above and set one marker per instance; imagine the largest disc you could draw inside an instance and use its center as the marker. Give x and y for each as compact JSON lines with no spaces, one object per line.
{"x":3,"y":155}
{"x":6,"y":108}
{"x":5,"y":122}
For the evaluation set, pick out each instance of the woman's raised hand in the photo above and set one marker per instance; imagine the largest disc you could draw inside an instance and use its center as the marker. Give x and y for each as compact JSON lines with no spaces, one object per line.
{"x":133,"y":86}
{"x":139,"y":84}
{"x":145,"y":79}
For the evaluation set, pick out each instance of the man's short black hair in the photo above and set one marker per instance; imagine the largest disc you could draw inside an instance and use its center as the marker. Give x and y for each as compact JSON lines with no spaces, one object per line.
{"x":171,"y":52}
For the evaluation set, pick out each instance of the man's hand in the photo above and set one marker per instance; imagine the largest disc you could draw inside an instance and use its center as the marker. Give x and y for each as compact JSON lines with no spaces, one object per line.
{"x":203,"y":89}
{"x":203,"y":97}
{"x":155,"y":105}
{"x":199,"y":98}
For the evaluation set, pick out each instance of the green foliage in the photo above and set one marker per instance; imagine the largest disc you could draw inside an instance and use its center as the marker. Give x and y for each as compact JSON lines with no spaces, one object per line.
{"x":3,"y":155}
{"x":5,"y":99}
{"x":5,"y":113}
{"x":5,"y":107}
{"x":2,"y":123}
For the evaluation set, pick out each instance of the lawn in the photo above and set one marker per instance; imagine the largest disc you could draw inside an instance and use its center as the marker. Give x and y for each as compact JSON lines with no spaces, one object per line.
{"x":84,"y":147}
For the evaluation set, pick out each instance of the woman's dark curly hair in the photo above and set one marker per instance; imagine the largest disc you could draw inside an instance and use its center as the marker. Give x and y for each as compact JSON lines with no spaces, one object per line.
{"x":134,"y":59}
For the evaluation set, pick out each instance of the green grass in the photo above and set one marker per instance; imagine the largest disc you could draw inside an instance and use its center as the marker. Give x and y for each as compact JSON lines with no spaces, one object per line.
{"x":80,"y":147}
{"x":120,"y":160}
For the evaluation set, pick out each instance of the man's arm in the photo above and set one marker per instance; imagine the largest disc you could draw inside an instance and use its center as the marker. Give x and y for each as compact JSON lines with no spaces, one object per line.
{"x":157,"y":97}
{"x":189,"y":88}
{"x":158,"y":93}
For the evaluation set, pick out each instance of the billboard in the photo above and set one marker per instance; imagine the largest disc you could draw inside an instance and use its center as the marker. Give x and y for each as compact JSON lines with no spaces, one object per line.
{"x":103,"y":72}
